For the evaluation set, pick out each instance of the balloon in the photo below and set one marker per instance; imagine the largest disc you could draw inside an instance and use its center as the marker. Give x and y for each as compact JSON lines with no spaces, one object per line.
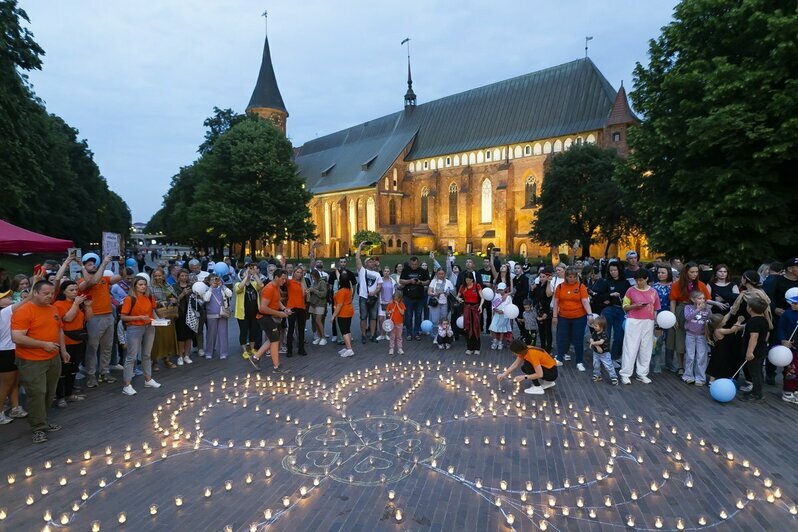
{"x":666,"y":319}
{"x":108,"y":273}
{"x":460,"y":322}
{"x":387,"y":326}
{"x":511,"y":312}
{"x":488,"y":294}
{"x":221,"y":269}
{"x":201,"y":276}
{"x":780,"y":356}
{"x":722,"y":390}
{"x":130,"y":263}
{"x":426,"y":326}
{"x":199,"y":288}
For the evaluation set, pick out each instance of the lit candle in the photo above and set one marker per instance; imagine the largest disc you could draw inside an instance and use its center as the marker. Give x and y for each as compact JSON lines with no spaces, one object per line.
{"x":179,"y":500}
{"x":122,"y":517}
{"x":267,"y":513}
{"x":286,"y":501}
{"x":228,"y":485}
{"x":658,"y":522}
{"x":207,"y":492}
{"x":398,"y":515}
{"x":153,"y":509}
{"x":95,"y":526}
{"x":47,"y":515}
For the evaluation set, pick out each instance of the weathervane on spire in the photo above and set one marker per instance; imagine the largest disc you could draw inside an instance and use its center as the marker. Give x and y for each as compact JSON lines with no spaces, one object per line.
{"x":265,"y":16}
{"x":410,"y":96}
{"x":586,"y":40}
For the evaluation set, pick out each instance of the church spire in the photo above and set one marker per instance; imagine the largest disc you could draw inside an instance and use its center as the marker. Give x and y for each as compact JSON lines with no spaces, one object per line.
{"x":266,"y":99}
{"x":410,"y":96}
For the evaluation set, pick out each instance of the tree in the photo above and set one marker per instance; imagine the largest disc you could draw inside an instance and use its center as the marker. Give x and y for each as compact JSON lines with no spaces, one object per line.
{"x":713,"y":162}
{"x":221,"y":121}
{"x":579,"y":197}
{"x":368,"y":236}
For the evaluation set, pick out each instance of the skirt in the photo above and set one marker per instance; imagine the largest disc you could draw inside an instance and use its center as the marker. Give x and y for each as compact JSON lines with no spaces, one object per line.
{"x":500,"y":324}
{"x":183,"y":331}
{"x":165,"y":343}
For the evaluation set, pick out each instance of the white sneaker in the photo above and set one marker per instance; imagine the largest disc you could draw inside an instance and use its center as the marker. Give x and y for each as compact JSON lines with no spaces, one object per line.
{"x":152,"y":383}
{"x":468,"y":352}
{"x":4,"y":419}
{"x":493,"y":345}
{"x":179,"y":361}
{"x":390,"y":351}
{"x":476,"y":352}
{"x":117,"y":367}
{"x":334,"y":339}
{"x":315,"y":341}
{"x":202,"y":352}
{"x":347,"y":353}
{"x":323,"y":341}
{"x":789,"y":397}
{"x":128,"y":390}
{"x":440,"y":346}
{"x":534,"y":390}
{"x":548,"y":384}
{"x":401,"y":352}
{"x":342,"y":351}
{"x":625,"y":380}
{"x":580,"y":367}
{"x":644,"y":380}
{"x":747,"y":387}
{"x":188,"y":360}
{"x":558,"y":362}
{"x":566,"y":357}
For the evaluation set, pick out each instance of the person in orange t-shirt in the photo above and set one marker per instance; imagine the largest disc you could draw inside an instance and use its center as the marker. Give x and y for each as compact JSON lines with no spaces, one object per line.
{"x":343,"y":312}
{"x":571,"y":314}
{"x":271,"y":312}
{"x":97,"y":286}
{"x":536,"y":364}
{"x":297,"y":291}
{"x":37,"y":334}
{"x":74,"y":311}
{"x":395,"y":311}
{"x":137,"y":313}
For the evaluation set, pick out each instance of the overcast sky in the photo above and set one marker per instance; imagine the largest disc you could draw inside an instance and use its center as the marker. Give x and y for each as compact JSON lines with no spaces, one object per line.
{"x":138,"y":78}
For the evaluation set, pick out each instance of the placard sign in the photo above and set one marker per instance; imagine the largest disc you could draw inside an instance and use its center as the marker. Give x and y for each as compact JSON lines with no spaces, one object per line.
{"x":75,"y":265}
{"x":112,"y":244}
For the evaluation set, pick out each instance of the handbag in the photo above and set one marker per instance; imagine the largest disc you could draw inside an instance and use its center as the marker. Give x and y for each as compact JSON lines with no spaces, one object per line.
{"x":192,"y":313}
{"x":169,"y":313}
{"x":371,"y":300}
{"x":79,"y":335}
{"x":433,"y":301}
{"x":224,"y":307}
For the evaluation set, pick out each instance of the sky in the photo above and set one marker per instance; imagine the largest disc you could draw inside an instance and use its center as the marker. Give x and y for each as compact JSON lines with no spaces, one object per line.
{"x":137,"y":79}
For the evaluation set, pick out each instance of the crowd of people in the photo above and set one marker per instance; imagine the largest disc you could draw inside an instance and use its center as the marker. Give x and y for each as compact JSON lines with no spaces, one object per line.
{"x":61,"y":335}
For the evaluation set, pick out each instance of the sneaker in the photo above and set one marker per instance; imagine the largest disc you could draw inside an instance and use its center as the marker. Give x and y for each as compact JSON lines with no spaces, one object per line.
{"x":448,"y":346}
{"x":4,"y":419}
{"x":751,"y":398}
{"x":548,"y":384}
{"x":699,"y":383}
{"x":534,"y":390}
{"x":342,"y":351}
{"x":207,"y":357}
{"x":74,"y":398}
{"x":418,"y":338}
{"x":201,"y":352}
{"x":566,"y":357}
{"x":390,"y":351}
{"x":91,"y":381}
{"x":39,"y":436}
{"x":348,"y":353}
{"x":789,"y":397}
{"x":401,"y":352}
{"x":558,"y":361}
{"x":17,"y":412}
{"x":468,"y":352}
{"x":152,"y":383}
{"x":334,"y":340}
{"x":61,"y":403}
{"x":493,"y":345}
{"x":137,"y":372}
{"x":364,"y":340}
{"x":128,"y":390}
{"x":689,"y":381}
{"x":747,"y":387}
{"x":315,"y":341}
{"x":283,"y":349}
{"x":374,"y":339}
{"x":625,"y":380}
{"x":180,"y":361}
{"x":323,"y":341}
{"x":221,"y":357}
{"x":614,"y":382}
{"x":117,"y":367}
{"x":278,"y":369}
{"x":476,"y":352}
{"x":107,"y":377}
{"x":255,"y":361}
{"x":409,"y":339}
{"x":52,"y":427}
{"x":643,"y":379}
{"x":597,"y":378}
{"x":245,"y":354}
{"x":188,"y":360}
{"x":580,"y":367}
{"x":680,"y":372}
{"x":440,"y":346}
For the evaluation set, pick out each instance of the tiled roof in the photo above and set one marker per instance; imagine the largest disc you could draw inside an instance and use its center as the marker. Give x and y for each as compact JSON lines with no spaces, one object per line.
{"x":621,"y":113}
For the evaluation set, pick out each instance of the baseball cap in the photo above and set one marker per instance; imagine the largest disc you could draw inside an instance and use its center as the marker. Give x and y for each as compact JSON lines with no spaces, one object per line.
{"x":791,"y":262}
{"x":631,"y":253}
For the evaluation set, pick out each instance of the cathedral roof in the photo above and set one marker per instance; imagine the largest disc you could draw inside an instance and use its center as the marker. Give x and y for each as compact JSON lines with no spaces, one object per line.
{"x":560,"y":100}
{"x":267,"y":93}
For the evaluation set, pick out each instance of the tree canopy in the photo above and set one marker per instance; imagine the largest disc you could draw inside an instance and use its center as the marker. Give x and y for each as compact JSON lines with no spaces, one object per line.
{"x":712,"y":166}
{"x":50,"y":181}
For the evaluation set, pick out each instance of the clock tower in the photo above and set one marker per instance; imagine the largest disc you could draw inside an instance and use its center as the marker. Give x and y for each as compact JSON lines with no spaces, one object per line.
{"x":266,"y":100}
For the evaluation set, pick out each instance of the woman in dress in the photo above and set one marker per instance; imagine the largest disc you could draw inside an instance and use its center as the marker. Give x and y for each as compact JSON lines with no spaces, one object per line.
{"x":500,"y":326}
{"x":185,"y":336}
{"x":317,"y":305}
{"x":470,"y":295}
{"x":217,"y":308}
{"x":164,"y":344}
{"x":724,"y":293}
{"x":727,"y":355}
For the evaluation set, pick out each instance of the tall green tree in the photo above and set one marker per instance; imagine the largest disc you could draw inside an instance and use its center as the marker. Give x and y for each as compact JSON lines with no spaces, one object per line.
{"x":579,"y":198}
{"x":218,"y":124}
{"x":712,"y":167}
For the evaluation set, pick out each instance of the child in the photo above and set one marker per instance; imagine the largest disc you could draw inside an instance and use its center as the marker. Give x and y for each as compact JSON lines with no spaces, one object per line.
{"x":696,"y":316}
{"x":788,"y":336}
{"x":641,"y":304}
{"x":500,"y":326}
{"x":599,"y":343}
{"x":395,"y":311}
{"x":725,"y":359}
{"x":755,"y":345}
{"x":445,"y":334}
{"x":530,"y":323}
{"x":536,"y":364}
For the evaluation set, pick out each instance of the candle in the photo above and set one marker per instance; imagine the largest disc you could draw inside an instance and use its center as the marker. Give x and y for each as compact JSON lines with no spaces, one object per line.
{"x":207,"y":492}
{"x":122,"y":517}
{"x":95,"y":526}
{"x":286,"y":501}
{"x":398,"y":515}
{"x":267,"y":513}
{"x":153,"y":509}
{"x":391,"y":495}
{"x":179,"y":500}
{"x":47,"y":515}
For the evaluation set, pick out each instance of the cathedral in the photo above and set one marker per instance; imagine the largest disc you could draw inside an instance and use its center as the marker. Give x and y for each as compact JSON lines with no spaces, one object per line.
{"x":463,"y":171}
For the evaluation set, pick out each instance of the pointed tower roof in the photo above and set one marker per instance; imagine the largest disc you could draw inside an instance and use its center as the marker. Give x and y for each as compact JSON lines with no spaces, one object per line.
{"x":621,"y":113}
{"x":410,"y":96}
{"x":267,"y":93}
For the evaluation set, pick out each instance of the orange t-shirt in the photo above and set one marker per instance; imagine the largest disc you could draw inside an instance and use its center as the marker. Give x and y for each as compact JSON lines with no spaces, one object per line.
{"x":42,"y":323}
{"x":569,"y":300}
{"x":272,"y":293}
{"x":393,"y":309}
{"x":77,"y":323}
{"x":344,"y":297}
{"x":676,"y":292}
{"x":143,"y":307}
{"x":536,"y":355}
{"x":296,"y":295}
{"x":100,"y":296}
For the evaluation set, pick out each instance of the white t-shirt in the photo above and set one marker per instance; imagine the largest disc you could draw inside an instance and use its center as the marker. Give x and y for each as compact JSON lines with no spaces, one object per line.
{"x":5,"y":329}
{"x":367,"y":281}
{"x":554,"y":283}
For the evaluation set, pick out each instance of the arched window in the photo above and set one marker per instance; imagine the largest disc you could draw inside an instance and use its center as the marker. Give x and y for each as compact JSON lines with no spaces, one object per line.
{"x":352,"y":218}
{"x":387,"y":183}
{"x":390,"y":242}
{"x":531,"y":192}
{"x":527,"y":150}
{"x":392,"y":211}
{"x":487,"y":202}
{"x":359,"y":213}
{"x":425,"y":205}
{"x":327,"y":222}
{"x":395,"y":179}
{"x":334,"y":218}
{"x":522,"y":250}
{"x":453,"y":203}
{"x":371,"y":215}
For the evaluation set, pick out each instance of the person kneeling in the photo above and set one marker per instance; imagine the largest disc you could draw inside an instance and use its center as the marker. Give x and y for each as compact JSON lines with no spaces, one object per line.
{"x":536,"y":364}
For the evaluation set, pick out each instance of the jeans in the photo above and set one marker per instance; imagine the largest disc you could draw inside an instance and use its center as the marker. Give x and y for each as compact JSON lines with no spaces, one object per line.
{"x":40,"y":379}
{"x":614,"y":317}
{"x":571,"y":332}
{"x":66,"y":384}
{"x":436,"y":314}
{"x":413,"y":313}
{"x":296,"y":322}
{"x":139,"y":346}
{"x":603,"y":359}
{"x":101,"y":335}
{"x":695,"y":358}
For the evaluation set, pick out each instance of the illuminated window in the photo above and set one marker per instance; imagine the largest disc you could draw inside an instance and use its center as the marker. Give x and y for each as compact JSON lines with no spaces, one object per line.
{"x":487,"y":202}
{"x":453,"y":203}
{"x":425,"y":206}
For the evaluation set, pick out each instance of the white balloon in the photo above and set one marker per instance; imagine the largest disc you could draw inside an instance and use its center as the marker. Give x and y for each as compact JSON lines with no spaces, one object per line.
{"x":387,"y":326}
{"x":511,"y":311}
{"x":666,"y":319}
{"x":488,"y":294}
{"x":108,"y":273}
{"x":199,"y":288}
{"x":460,"y":322}
{"x":780,"y":356}
{"x":791,"y":293}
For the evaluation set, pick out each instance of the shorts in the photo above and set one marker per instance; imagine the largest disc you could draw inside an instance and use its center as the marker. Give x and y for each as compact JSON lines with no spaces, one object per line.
{"x":7,"y":358}
{"x":382,"y":311}
{"x":271,"y":327}
{"x":317,"y":311}
{"x":366,"y":311}
{"x":344,"y":325}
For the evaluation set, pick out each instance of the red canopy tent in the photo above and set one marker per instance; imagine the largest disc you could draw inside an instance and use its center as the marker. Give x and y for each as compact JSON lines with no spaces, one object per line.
{"x":15,"y":239}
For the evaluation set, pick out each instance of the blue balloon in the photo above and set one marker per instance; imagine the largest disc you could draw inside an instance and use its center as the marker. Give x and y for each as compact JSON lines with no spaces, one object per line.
{"x":723,"y":390}
{"x":221,"y":269}
{"x":130,"y":263}
{"x":426,"y":326}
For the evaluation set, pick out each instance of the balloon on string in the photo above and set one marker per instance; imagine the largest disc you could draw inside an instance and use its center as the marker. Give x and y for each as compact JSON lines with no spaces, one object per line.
{"x":666,"y":319}
{"x":426,"y":326}
{"x":130,"y":263}
{"x":723,"y":390}
{"x":460,"y":322}
{"x":387,"y":326}
{"x":511,"y":312}
{"x":199,"y":288}
{"x":780,"y":356}
{"x":221,"y":269}
{"x":488,"y":294}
